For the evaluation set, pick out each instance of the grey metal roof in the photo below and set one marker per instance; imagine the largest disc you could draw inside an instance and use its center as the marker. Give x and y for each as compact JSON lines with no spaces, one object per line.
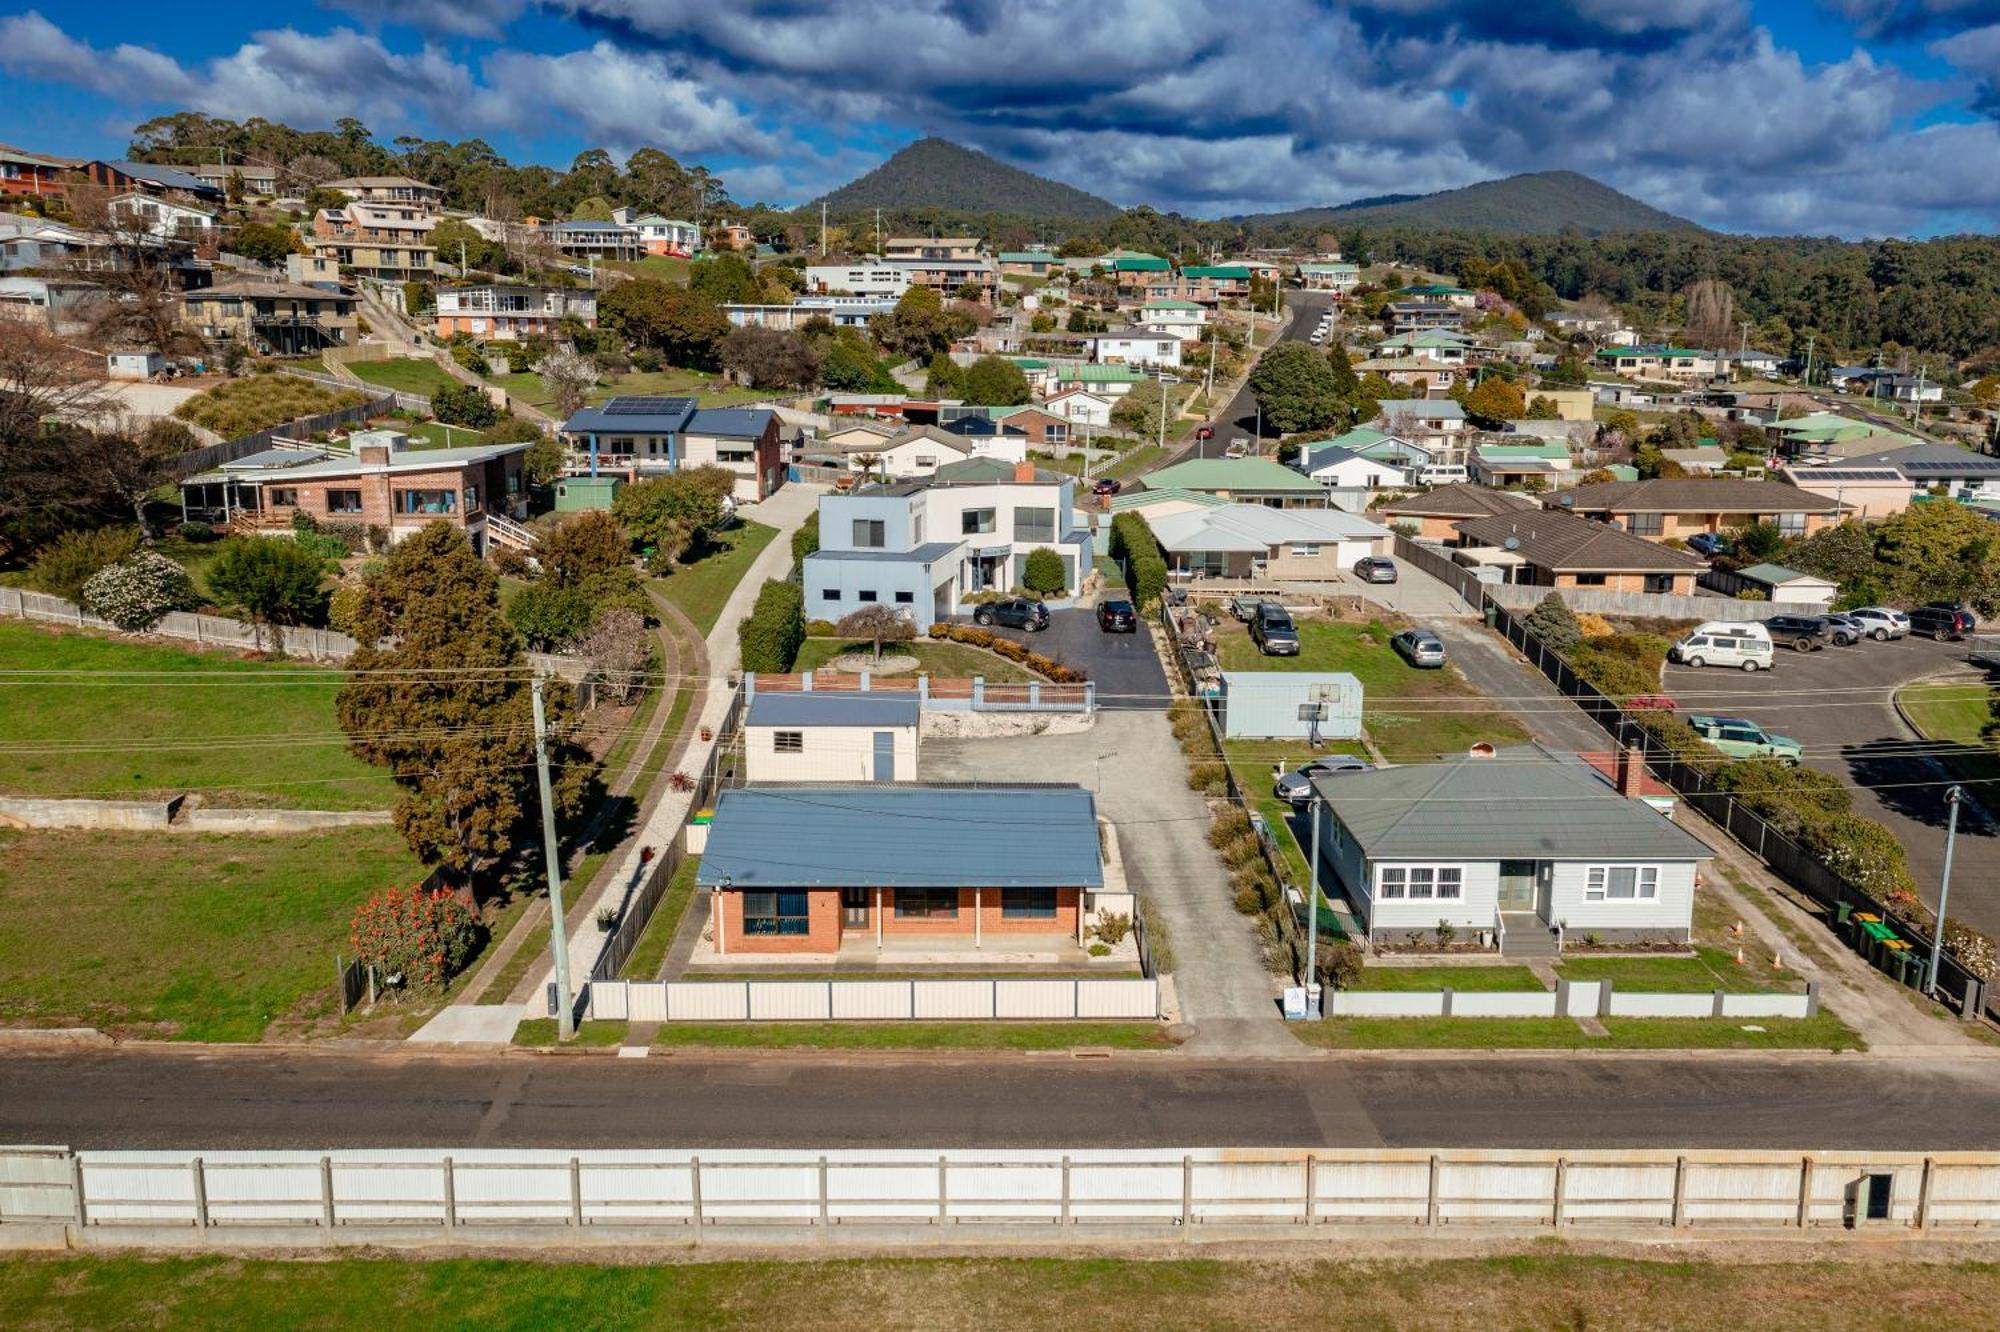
{"x":839,"y":836}
{"x":1523,"y":803}
{"x":164,"y":176}
{"x":928,"y":553}
{"x":831,"y":707}
{"x":1931,"y":462}
{"x":729,"y":422}
{"x":639,"y":416}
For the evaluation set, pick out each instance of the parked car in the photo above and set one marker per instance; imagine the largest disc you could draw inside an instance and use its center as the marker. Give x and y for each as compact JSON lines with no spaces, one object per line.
{"x":1015,"y":613}
{"x":1109,"y":485}
{"x":1296,"y":787}
{"x":1710,"y":544}
{"x":1740,"y":738}
{"x":1245,"y":608}
{"x":1273,"y":631}
{"x":1945,"y":621}
{"x":1238,"y":448}
{"x":1419,"y":647}
{"x":1881,"y":622}
{"x":1800,"y":633}
{"x":1204,"y":432}
{"x":1117,"y":617}
{"x":1719,"y":643}
{"x":1844,"y":630}
{"x":1375,"y":569}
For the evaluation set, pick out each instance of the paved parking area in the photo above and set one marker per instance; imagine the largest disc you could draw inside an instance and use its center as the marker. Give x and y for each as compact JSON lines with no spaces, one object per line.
{"x":1838,"y":703}
{"x":1125,"y":666}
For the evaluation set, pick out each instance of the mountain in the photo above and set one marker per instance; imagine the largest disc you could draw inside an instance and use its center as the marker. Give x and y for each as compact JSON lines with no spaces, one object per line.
{"x":1539,"y":203}
{"x":937,"y":173}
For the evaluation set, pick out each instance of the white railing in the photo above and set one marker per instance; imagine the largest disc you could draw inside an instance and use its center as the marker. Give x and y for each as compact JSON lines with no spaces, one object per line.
{"x":506,"y":532}
{"x":862,"y":1000}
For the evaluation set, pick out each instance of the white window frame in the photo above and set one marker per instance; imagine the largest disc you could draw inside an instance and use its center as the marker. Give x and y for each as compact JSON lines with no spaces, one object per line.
{"x":788,"y":742}
{"x":1306,"y":549}
{"x":1597,"y":883}
{"x":1435,"y":880}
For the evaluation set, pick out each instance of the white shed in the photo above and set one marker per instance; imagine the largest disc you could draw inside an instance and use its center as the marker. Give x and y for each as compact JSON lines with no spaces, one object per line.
{"x":1778,"y":583}
{"x":1290,"y":705}
{"x":832,"y":736}
{"x":132,"y":364}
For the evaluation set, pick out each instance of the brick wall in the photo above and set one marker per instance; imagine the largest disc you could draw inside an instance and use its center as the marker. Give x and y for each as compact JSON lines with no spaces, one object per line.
{"x":823,"y":936}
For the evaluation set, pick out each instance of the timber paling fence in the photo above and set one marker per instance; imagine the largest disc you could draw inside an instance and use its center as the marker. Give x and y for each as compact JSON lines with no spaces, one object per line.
{"x":53,"y":1196}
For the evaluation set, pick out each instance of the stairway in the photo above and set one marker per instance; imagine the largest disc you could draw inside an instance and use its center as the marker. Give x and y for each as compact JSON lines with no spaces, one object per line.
{"x":1527,"y":936}
{"x":503,"y":531}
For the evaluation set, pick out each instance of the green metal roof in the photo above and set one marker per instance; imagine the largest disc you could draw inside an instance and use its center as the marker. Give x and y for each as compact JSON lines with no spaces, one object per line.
{"x":1237,"y":271}
{"x":1165,"y":304}
{"x":1029,"y":363}
{"x":1500,"y":452}
{"x":1432,"y":289}
{"x":1232,"y":474}
{"x":1776,"y":574}
{"x":1623,"y":471}
{"x":1140,"y":263}
{"x":1101,"y":374}
{"x":1139,"y":499}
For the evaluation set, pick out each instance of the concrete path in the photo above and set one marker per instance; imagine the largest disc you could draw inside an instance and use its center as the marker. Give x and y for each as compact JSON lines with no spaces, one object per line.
{"x":470,"y":1024}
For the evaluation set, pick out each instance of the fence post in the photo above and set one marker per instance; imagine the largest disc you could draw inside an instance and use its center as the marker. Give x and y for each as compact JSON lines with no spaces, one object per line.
{"x":1562,"y":1184}
{"x":1805,"y":1189}
{"x":694,"y":1191}
{"x":1680,"y":1192}
{"x":200,"y":1174}
{"x":1069,"y":1219}
{"x":944,"y":1191}
{"x":326,"y":1191}
{"x":1431,"y":1207}
{"x":1924,"y":1193}
{"x":80,"y":1209}
{"x":1187,"y":1191}
{"x":822,"y":1192}
{"x":450,"y":1196}
{"x":575,"y":1192}
{"x":1312,"y":1186}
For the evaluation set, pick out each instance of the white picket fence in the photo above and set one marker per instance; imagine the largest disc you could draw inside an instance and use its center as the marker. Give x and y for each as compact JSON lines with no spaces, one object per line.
{"x":362,"y":1196}
{"x":860,"y":1000}
{"x":1569,"y":999}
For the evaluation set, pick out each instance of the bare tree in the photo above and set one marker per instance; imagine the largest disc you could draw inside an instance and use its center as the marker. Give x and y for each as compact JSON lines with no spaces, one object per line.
{"x":1711,"y":312}
{"x":618,"y":647}
{"x":307,"y":172}
{"x":569,"y":376}
{"x":43,"y":378}
{"x":879,"y":624}
{"x":140,"y":304}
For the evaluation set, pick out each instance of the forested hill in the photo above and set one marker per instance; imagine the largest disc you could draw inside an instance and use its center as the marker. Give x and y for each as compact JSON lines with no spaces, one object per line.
{"x":1541,"y":203}
{"x":936,"y":173}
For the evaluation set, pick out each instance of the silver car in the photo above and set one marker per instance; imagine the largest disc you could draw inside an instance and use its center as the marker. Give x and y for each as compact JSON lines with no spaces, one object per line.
{"x":1296,"y":787}
{"x":1881,"y":623}
{"x":1419,"y":647}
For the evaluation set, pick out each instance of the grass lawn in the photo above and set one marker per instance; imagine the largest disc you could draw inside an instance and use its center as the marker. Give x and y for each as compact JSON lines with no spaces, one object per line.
{"x":166,"y":718}
{"x":541,"y":1032}
{"x":195,"y":938}
{"x":1132,"y":462}
{"x":1488,"y":979}
{"x":651,"y":954}
{"x":406,"y":374}
{"x":661,"y":383}
{"x":1956,"y":713}
{"x":914,"y":1035}
{"x":700,"y":588}
{"x":1531,"y":1285}
{"x":943,"y":661}
{"x":1825,"y":1032}
{"x":1709,"y":970}
{"x":664,"y":267}
{"x":1251,"y":761}
{"x":436,"y":435}
{"x":193,"y":556}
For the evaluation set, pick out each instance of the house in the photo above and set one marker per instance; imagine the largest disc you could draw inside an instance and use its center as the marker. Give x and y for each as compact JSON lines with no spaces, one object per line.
{"x":594,"y":240}
{"x":824,"y":735}
{"x":1105,"y":381}
{"x":1339,"y":468}
{"x":1180,"y":319}
{"x":890,"y":862}
{"x":1519,"y":464}
{"x":1412,"y":316}
{"x":148,"y":178}
{"x":378,"y":240}
{"x":1441,"y":292}
{"x":1437,"y":513}
{"x":921,"y":248}
{"x":949,"y":277}
{"x":1427,"y":421}
{"x":1665,"y":509}
{"x":661,"y":235}
{"x":1778,"y":583}
{"x":390,"y":190}
{"x":1338,"y":278}
{"x":313,"y":270}
{"x":1041,"y":429}
{"x":1959,"y":472}
{"x":165,"y":218}
{"x":924,"y":543}
{"x":1571,"y":323}
{"x":383,"y":483}
{"x":33,"y":175}
{"x":1703,"y":460}
{"x":288,"y":318}
{"x":880,"y":281}
{"x":1081,"y":408}
{"x":1252,"y":541}
{"x":1369,"y":442}
{"x":60,"y":305}
{"x":1864,"y":492}
{"x":1571,"y":404}
{"x":650,"y":436}
{"x":1028,"y":263}
{"x":509,"y":312}
{"x":257,"y":177}
{"x":840,"y":311}
{"x":1214,"y":283}
{"x":1434,"y":344}
{"x":731,"y":236}
{"x":1508,"y":846}
{"x":1429,"y":378}
{"x":1136,"y":269}
{"x":1256,"y":480}
{"x":1135,"y":346}
{"x":1554,"y":548}
{"x":883,"y":453}
{"x":1679,"y":364}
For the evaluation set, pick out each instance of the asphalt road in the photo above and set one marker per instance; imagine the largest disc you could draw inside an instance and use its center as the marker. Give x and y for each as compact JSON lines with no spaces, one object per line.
{"x":1239,"y":415}
{"x":1125,"y":667}
{"x":1855,"y":734}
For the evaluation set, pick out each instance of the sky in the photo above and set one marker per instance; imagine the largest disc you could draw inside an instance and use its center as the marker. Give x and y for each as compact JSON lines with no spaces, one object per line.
{"x":1828,"y":117}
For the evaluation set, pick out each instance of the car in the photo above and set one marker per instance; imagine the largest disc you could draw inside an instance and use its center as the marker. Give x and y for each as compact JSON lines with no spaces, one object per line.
{"x":1710,"y":544}
{"x":1244,"y":608}
{"x":1945,"y":621}
{"x":1015,"y":613}
{"x":1295,"y":788}
{"x":1238,"y":448}
{"x":1718,"y":643}
{"x":1800,"y":633}
{"x":1844,"y":630}
{"x":1419,"y":647}
{"x":1117,"y":617}
{"x":1205,"y":432}
{"x":1741,"y":738}
{"x":1375,"y":569}
{"x":1273,"y":631}
{"x":1109,"y":485}
{"x":1881,"y":622}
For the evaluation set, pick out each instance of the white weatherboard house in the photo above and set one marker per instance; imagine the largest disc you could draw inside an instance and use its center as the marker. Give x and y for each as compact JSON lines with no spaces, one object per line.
{"x":1513,"y":846}
{"x":831,"y":736}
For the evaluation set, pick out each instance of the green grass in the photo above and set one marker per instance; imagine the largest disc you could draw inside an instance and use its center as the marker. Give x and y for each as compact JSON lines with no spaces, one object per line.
{"x":541,"y":1033}
{"x":663,"y":267}
{"x":660,"y":383}
{"x":405,"y":374}
{"x":647,"y":958}
{"x":1132,"y":462}
{"x":195,"y":557}
{"x":147,"y":720}
{"x":1709,"y":970}
{"x":174,"y":935}
{"x":1957,"y":713}
{"x":702,"y":587}
{"x":1824,"y":1032}
{"x":1251,"y":761}
{"x":942,"y":661}
{"x":1488,"y":979}
{"x":240,"y":407}
{"x":914,"y":1035}
{"x":435,"y":435}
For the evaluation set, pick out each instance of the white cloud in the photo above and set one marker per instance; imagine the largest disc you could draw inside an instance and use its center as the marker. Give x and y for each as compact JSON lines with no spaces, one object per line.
{"x":33,"y":47}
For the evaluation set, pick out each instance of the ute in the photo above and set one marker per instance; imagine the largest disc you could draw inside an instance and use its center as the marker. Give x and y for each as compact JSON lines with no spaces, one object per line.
{"x":1740,"y":738}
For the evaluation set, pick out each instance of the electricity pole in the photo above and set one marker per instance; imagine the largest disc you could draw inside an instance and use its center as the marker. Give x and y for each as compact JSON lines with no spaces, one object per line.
{"x":1951,"y":799}
{"x":1163,"y":410}
{"x":1312,"y":918}
{"x":558,"y":942}
{"x":822,"y":230}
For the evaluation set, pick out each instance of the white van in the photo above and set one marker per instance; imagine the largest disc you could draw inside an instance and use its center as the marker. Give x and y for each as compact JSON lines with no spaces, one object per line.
{"x":1718,"y":643}
{"x":1438,"y":474}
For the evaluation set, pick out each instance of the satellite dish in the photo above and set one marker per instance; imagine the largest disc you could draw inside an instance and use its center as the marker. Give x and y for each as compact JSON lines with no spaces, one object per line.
{"x":1511,"y":543}
{"x":1568,"y":501}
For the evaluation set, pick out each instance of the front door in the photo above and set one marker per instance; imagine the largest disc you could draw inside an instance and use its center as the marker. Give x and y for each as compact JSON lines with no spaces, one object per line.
{"x":885,"y":756}
{"x":1517,"y":885}
{"x":854,"y":908}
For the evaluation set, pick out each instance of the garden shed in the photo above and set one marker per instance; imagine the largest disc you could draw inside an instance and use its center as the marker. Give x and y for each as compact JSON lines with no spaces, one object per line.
{"x":1290,"y":705}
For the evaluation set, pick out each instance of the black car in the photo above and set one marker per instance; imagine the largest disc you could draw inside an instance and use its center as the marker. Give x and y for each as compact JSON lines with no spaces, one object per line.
{"x":1800,"y":633}
{"x":1014,"y":613}
{"x":1117,"y":617}
{"x":1273,"y":631}
{"x":1945,"y":621}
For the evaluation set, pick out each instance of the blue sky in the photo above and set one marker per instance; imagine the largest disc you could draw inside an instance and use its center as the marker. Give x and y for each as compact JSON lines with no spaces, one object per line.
{"x":1849,"y":117}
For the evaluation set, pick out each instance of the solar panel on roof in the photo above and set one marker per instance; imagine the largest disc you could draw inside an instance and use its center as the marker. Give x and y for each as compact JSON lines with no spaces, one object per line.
{"x":1864,"y":474}
{"x":647,"y":406}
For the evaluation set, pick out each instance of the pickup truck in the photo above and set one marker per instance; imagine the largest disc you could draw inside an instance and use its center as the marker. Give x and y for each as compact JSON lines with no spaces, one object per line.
{"x":1739,"y":738}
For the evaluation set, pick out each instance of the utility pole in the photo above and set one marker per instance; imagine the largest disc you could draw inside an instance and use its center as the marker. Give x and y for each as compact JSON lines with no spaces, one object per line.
{"x":1312,"y":919}
{"x":1208,"y":391}
{"x":1163,"y":409}
{"x":822,"y":229}
{"x":878,"y":229}
{"x":1951,"y":799}
{"x":558,"y":941}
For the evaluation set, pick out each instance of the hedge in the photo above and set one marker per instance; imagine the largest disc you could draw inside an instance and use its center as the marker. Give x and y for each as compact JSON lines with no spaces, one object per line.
{"x":1134,"y":545}
{"x":1046,"y":667}
{"x":771,"y":634}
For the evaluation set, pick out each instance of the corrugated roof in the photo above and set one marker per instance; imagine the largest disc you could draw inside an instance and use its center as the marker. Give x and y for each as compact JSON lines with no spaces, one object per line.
{"x":1139,"y":499}
{"x":1566,"y":543}
{"x":903,"y":837}
{"x":1931,"y":462}
{"x":729,"y":422}
{"x":829,"y":707}
{"x":928,"y":553}
{"x":637,"y":415}
{"x":1258,"y":527}
{"x":1229,"y":474}
{"x":1777,"y":575}
{"x":1524,"y":803}
{"x":1681,"y":495}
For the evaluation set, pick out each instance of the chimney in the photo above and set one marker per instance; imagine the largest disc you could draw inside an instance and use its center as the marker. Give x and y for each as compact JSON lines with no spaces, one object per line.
{"x":1631,"y":772}
{"x":1481,"y":749}
{"x":1024,"y":471}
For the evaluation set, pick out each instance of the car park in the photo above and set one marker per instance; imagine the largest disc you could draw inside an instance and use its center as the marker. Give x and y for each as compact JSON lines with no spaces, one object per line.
{"x":1739,"y":737}
{"x":1375,"y":569}
{"x":1015,"y":613}
{"x":1295,"y":788}
{"x":1719,"y":643}
{"x":1710,"y":544}
{"x":1419,"y":647}
{"x":1881,"y":622}
{"x":1946,"y":621}
{"x":1117,"y":617}
{"x":1273,"y":631}
{"x":1800,"y":633}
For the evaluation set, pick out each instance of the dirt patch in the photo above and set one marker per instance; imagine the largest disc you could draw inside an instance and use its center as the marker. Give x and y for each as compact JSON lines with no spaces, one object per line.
{"x":892,"y":663}
{"x":998,"y":725}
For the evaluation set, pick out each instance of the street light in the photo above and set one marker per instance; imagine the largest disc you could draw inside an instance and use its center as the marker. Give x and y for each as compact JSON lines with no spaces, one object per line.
{"x":1951,"y":798}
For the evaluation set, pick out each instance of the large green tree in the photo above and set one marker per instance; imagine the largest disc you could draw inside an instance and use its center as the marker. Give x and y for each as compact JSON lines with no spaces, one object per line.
{"x":682,"y":325}
{"x":1297,"y":389}
{"x":670,"y":513}
{"x":994,"y":381}
{"x":273,"y":580}
{"x":726,"y":279}
{"x":1941,"y":550}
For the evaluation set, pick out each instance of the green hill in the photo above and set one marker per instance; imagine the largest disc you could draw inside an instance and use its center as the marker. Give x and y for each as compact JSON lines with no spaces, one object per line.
{"x":936,"y":173}
{"x":1539,"y":203}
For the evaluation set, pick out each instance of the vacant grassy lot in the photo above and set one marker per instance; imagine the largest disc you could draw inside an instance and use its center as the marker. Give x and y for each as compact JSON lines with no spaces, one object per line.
{"x":1824,"y":1032}
{"x":406,"y":374}
{"x":914,"y":1035}
{"x":663,"y":267}
{"x":943,"y":661}
{"x":144,"y":720}
{"x":1710,"y":969}
{"x":702,"y":586}
{"x":1539,"y":1288}
{"x":244,"y":406}
{"x":1957,"y":713}
{"x":660,"y":383}
{"x":174,"y":935}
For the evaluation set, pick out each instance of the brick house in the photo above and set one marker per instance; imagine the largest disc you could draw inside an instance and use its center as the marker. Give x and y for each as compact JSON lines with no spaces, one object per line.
{"x":1437,"y":513}
{"x":810,"y":868}
{"x":1666,"y":508}
{"x":1551,"y":548}
{"x":512,"y":311}
{"x":381,"y":240}
{"x":289,"y":317}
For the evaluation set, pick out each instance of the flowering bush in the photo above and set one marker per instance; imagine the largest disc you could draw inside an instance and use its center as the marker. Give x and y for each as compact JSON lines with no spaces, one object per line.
{"x":135,"y":592}
{"x":423,"y":937}
{"x":1046,"y":667}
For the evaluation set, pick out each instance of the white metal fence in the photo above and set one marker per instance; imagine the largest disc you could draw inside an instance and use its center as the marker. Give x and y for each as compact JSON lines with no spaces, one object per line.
{"x":860,"y":1000}
{"x":358,"y":1196}
{"x":1570,"y":999}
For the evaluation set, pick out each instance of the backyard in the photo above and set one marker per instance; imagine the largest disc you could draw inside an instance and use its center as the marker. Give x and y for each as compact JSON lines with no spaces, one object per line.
{"x":637,"y":383}
{"x":701,"y":587}
{"x":406,"y":374}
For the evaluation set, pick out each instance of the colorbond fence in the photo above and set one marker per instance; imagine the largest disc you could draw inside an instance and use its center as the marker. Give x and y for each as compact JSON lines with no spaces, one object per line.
{"x":1569,"y":999}
{"x":968,"y":1000}
{"x":51,"y":1195}
{"x":939,"y":695}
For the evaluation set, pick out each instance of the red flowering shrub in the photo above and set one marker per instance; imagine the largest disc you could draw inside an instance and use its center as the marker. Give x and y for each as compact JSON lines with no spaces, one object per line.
{"x":423,"y":937}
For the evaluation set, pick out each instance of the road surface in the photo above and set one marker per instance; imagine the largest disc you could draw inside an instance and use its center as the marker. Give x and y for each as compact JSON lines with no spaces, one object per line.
{"x":1238,"y":416}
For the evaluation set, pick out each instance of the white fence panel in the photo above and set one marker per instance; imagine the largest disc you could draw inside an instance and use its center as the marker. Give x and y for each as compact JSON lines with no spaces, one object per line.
{"x":1479,"y":1003}
{"x":707,"y":1001}
{"x":1250,"y":1190}
{"x":1765,"y":1005}
{"x":635,"y":1191}
{"x":1125,"y":1190}
{"x":1661,"y":1005}
{"x":610,"y":1000}
{"x":1495,"y":1191}
{"x":1118,"y":999}
{"x":882,"y":1190}
{"x":389,"y":1190}
{"x":510,"y":1190}
{"x":1024,"y":1191}
{"x":646,"y":1001}
{"x":760,"y":1190}
{"x":1584,"y":997}
{"x":260,"y":1191}
{"x":946,"y":1000}
{"x":790,"y":1001}
{"x":1964,"y":1195}
{"x":35,"y":1184}
{"x":1386,"y":1003}
{"x":1749,"y":1192}
{"x":1371,"y":1190}
{"x":1034,"y":998}
{"x":876,"y":1001}
{"x":141,"y":1190}
{"x":1597,"y":1191}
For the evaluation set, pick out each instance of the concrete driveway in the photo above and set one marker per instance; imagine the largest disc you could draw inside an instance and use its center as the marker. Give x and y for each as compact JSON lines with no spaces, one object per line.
{"x":1125,"y":667}
{"x":1838,"y":703}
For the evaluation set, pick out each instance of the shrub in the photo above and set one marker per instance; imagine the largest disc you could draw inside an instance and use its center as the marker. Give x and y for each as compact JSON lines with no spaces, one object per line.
{"x":344,"y":607}
{"x":1113,"y":926}
{"x":1242,"y":850}
{"x":805,"y":540}
{"x":550,"y":617}
{"x":1145,"y":567}
{"x":415,"y":937}
{"x":648,"y":360}
{"x":135,"y":592}
{"x":1594,"y":626}
{"x":71,"y":560}
{"x":244,"y":406}
{"x":1159,"y":935}
{"x":820,"y":629}
{"x":771,"y":634}
{"x":196,"y":533}
{"x":272,"y":580}
{"x":464,"y":405}
{"x":1208,"y":777}
{"x":1340,"y":963}
{"x":1100,"y":950}
{"x":1044,"y":572}
{"x":1247,"y":901}
{"x":1231,"y":824}
{"x":1552,"y":621}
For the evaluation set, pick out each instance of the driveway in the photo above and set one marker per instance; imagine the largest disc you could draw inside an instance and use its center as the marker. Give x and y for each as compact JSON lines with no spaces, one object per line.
{"x":1125,"y":667}
{"x":1838,"y":704}
{"x":1131,"y":761}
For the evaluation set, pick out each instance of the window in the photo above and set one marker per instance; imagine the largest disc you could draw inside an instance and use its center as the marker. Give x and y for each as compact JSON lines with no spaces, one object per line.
{"x":926,"y":462}
{"x":1027,"y":904}
{"x":1622,"y":883}
{"x":788,"y":742}
{"x":870,"y":534}
{"x":927,"y":903}
{"x":1590,"y":580}
{"x":1445,"y":883}
{"x":1646,"y":524}
{"x":283,"y":497}
{"x":1792,"y":524}
{"x":906,"y":598}
{"x":976,"y":522}
{"x":829,"y":594}
{"x":775,"y":913}
{"x":1659,"y":582}
{"x":1034,"y":524}
{"x":1305,"y":549}
{"x":866,"y":594}
{"x":471,"y":498}
{"x":343,"y":501}
{"x":426,"y":501}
